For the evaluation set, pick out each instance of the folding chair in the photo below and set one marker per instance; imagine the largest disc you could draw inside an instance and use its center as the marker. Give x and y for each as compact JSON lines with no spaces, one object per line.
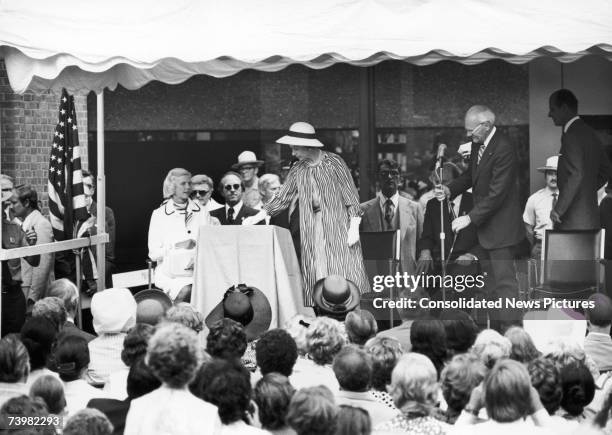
{"x":571,"y":264}
{"x":381,"y":254}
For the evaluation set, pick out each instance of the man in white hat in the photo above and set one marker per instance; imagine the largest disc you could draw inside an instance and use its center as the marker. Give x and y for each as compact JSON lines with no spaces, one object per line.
{"x":248,"y":166}
{"x":539,"y":205}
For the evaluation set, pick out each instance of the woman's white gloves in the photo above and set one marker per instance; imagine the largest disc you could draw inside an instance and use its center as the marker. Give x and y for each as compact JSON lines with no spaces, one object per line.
{"x":353,"y":231}
{"x":255,"y":219}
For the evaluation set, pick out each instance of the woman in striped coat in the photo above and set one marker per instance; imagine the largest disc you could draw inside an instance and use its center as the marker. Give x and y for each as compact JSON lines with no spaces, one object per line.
{"x":329,"y":211}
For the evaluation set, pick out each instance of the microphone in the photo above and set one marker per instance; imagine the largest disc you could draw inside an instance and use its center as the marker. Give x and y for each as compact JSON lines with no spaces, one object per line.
{"x":441,"y":150}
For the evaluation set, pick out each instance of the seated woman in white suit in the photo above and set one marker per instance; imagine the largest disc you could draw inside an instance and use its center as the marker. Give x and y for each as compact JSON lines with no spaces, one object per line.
{"x":173,"y":232}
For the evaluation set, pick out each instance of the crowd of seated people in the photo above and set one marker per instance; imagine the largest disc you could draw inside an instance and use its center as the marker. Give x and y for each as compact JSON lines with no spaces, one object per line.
{"x":181,"y":375}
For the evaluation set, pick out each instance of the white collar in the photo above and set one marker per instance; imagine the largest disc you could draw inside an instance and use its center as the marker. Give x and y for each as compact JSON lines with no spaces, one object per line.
{"x":192,"y":206}
{"x":27,"y":222}
{"x":551,"y":191}
{"x":488,"y":139}
{"x":236,"y":208}
{"x":569,"y":123}
{"x":383,"y":199}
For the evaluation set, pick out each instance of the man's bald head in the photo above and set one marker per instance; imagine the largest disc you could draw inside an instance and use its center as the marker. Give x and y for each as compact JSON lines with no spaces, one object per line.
{"x":479,"y":121}
{"x":353,"y":369}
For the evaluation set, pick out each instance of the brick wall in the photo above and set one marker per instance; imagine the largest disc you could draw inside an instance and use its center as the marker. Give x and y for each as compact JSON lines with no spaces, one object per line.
{"x":27,"y":123}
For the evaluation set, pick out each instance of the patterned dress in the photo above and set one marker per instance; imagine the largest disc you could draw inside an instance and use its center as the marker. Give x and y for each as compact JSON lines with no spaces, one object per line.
{"x":328,"y":199}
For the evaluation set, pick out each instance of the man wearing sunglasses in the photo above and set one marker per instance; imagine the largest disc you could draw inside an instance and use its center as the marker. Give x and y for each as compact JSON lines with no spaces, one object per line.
{"x":201,"y":191}
{"x":234,"y":211}
{"x":390,"y":211}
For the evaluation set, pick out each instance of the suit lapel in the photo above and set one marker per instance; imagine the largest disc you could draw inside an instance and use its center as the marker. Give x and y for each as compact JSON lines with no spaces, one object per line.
{"x":404,"y":217}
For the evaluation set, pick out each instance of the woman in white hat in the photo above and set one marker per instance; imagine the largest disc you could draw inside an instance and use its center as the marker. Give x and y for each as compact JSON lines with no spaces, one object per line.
{"x":172,"y":234}
{"x":329,"y":211}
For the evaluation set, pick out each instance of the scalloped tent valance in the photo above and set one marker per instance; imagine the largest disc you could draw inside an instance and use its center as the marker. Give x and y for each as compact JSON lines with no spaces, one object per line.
{"x":96,"y":45}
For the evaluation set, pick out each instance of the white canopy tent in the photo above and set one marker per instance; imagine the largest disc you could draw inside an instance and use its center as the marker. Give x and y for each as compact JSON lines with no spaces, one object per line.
{"x":90,"y":46}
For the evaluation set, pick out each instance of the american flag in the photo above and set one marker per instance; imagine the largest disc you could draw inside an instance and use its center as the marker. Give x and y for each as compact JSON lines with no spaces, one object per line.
{"x":66,"y":197}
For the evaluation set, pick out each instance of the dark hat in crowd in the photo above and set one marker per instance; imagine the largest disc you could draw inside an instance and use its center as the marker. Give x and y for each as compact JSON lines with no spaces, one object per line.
{"x":335,"y":295}
{"x":247,"y":306}
{"x":152,"y":305}
{"x":601,"y":313}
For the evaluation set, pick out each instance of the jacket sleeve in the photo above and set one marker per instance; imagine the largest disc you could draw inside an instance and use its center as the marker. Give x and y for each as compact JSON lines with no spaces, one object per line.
{"x":41,"y":274}
{"x":502,"y":178}
{"x":346,"y":186}
{"x":573,"y":160}
{"x":156,"y":241}
{"x":605,"y":170}
{"x":287,"y":191}
{"x":111,"y":229}
{"x":427,"y":239}
{"x":464,"y":181}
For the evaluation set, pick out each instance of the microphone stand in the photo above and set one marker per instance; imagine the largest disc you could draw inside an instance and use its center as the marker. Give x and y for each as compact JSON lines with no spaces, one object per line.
{"x":438,"y":171}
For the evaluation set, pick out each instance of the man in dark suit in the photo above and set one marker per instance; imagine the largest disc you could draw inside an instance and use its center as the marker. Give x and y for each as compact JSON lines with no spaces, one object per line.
{"x":234,"y":211}
{"x":583,"y":166}
{"x":390,"y":211}
{"x":464,"y":244}
{"x":493,"y":177}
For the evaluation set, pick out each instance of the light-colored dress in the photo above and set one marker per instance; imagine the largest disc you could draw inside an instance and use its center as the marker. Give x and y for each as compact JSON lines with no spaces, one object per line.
{"x":170,"y":224}
{"x":327,"y":199}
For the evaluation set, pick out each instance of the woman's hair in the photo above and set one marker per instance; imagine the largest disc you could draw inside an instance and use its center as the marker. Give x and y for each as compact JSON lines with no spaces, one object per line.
{"x":51,"y":390}
{"x":88,"y":421}
{"x":462,"y":374}
{"x":275,"y":351}
{"x":141,"y":379}
{"x":522,"y":350}
{"x":360,"y":326}
{"x":546,"y":380}
{"x":226,"y":384}
{"x":272,"y":395}
{"x":52,"y":309}
{"x":14,"y":359}
{"x":507,"y":390}
{"x":185,"y":314}
{"x":414,"y":380}
{"x":385,"y":352}
{"x":353,"y":421}
{"x":135,"y":343}
{"x":24,"y":406}
{"x":324,"y":339}
{"x":461,"y":330}
{"x":70,"y":357}
{"x":226,"y":339}
{"x":428,"y":337}
{"x":38,"y":336}
{"x":265,"y":180}
{"x":578,"y":388}
{"x":490,"y":346}
{"x":174,"y":354}
{"x":169,"y":187}
{"x":67,"y":291}
{"x":565,"y":352}
{"x":297,"y":327}
{"x":312,"y":411}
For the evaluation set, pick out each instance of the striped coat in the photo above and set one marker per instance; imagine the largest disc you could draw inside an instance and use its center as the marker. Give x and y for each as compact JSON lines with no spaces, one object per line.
{"x":324,"y":240}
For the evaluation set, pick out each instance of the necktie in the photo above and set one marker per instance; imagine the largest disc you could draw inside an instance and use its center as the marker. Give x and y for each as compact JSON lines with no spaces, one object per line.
{"x":230,"y":215}
{"x":554,"y":201}
{"x":389,"y":211}
{"x":452,"y":209}
{"x":481,"y":151}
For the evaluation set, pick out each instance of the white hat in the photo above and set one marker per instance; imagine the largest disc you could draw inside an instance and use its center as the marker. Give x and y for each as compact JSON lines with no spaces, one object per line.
{"x":301,"y":134}
{"x":551,"y":164}
{"x":465,"y":149}
{"x":247,"y":158}
{"x":113,"y":310}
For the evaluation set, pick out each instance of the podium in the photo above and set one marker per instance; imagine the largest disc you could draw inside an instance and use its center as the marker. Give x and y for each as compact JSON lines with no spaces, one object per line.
{"x":259,"y":256}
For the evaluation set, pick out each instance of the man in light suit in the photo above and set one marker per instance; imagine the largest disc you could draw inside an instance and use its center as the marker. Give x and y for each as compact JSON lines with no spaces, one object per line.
{"x":497,"y":212}
{"x":583,"y":166}
{"x":390,"y":211}
{"x":35,"y":279}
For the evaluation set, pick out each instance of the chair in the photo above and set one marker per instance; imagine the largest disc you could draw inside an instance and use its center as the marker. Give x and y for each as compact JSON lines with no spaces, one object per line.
{"x":136,"y":278}
{"x":381,"y":255}
{"x":571,"y":264}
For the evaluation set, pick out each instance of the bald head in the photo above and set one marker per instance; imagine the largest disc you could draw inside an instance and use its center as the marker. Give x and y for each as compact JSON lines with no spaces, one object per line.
{"x":353,"y":369}
{"x":479,"y":121}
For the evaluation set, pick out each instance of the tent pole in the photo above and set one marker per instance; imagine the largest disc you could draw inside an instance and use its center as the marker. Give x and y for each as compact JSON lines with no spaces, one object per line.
{"x":101,"y":189}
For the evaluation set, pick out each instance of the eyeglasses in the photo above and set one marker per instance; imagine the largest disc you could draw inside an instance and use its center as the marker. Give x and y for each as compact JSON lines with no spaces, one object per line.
{"x":199,"y":192}
{"x":392,"y":173}
{"x":7,"y":189}
{"x":229,"y":187}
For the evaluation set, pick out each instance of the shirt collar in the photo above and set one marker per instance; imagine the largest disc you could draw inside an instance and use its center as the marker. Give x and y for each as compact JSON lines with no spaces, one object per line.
{"x":236,"y":208}
{"x":569,"y":123}
{"x":488,"y":139}
{"x":192,"y":206}
{"x":383,"y":199}
{"x":551,"y":191}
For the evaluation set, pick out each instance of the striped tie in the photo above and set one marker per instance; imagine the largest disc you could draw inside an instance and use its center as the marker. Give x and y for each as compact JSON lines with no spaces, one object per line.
{"x":481,"y":151}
